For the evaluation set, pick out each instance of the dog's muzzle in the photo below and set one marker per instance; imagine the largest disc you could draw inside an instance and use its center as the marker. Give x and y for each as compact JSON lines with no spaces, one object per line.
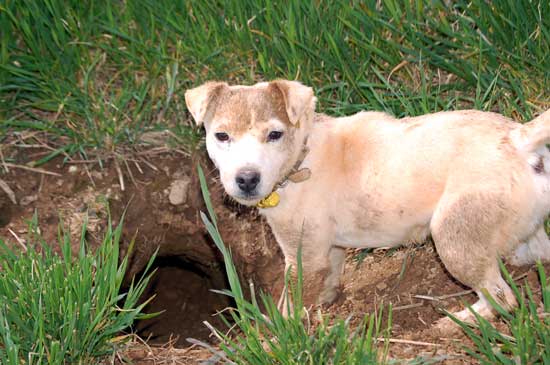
{"x":247,"y":180}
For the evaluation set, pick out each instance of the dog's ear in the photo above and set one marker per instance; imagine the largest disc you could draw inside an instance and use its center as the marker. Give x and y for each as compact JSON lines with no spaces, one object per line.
{"x":296,"y":96}
{"x":201,"y":101}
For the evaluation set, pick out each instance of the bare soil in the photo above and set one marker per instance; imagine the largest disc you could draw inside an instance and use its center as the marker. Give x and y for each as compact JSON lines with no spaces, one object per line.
{"x":189,"y":266}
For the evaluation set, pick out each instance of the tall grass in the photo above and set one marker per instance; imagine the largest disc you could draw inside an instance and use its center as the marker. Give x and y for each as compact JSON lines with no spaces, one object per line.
{"x":260,"y":334}
{"x":64,"y":308}
{"x":101,"y":72}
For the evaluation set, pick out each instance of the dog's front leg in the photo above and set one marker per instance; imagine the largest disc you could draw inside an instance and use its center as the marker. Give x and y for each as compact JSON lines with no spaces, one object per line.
{"x":321,"y":264}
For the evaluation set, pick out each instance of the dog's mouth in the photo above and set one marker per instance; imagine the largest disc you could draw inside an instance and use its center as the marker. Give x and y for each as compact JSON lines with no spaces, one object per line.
{"x":248,"y":199}
{"x":251,"y":198}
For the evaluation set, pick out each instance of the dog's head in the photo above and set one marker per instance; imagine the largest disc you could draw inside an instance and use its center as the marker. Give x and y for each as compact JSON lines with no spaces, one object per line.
{"x":254,"y":134}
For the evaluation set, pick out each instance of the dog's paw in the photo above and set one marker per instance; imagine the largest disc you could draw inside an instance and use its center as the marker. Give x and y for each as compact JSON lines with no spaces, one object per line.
{"x":328,"y":296}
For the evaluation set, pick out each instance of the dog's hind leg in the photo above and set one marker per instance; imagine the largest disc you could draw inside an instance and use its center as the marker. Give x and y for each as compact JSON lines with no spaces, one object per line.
{"x":337,"y":256}
{"x":537,"y":247}
{"x":468,"y":229}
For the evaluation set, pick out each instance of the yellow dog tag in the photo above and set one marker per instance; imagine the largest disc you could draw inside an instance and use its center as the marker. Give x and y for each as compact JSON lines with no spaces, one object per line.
{"x":272,"y":200}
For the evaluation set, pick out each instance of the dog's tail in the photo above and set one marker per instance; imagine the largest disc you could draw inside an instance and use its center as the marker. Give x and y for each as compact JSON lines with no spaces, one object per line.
{"x":534,"y":134}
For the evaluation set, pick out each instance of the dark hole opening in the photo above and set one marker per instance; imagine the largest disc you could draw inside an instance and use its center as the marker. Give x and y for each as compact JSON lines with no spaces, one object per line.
{"x":183,"y":292}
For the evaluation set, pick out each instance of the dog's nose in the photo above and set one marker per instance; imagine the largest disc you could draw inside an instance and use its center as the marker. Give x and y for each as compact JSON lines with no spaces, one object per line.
{"x":247,"y":180}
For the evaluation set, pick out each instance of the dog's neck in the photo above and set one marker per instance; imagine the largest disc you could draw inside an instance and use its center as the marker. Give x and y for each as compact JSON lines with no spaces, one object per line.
{"x":297,"y":173}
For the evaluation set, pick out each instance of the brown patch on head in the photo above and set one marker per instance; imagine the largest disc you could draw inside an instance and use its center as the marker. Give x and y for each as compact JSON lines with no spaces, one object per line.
{"x":246,"y":108}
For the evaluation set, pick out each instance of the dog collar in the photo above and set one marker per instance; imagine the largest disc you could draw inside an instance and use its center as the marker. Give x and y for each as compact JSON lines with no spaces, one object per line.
{"x":296,"y":175}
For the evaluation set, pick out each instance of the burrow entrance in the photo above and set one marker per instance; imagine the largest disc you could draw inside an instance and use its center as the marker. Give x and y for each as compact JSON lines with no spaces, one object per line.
{"x":183,"y":294}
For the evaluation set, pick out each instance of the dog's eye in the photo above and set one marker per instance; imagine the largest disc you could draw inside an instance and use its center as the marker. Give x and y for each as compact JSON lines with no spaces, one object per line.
{"x":274,"y":135}
{"x":222,"y":136}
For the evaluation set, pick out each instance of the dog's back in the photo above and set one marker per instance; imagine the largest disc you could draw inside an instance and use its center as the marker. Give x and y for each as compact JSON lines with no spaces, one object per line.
{"x":414,"y":160}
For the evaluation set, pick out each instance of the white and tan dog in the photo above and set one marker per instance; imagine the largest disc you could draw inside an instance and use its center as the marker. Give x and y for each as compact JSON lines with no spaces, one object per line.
{"x":477,"y":181}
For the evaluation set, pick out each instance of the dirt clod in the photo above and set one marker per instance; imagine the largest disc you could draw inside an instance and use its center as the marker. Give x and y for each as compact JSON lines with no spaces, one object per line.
{"x":178,"y":191}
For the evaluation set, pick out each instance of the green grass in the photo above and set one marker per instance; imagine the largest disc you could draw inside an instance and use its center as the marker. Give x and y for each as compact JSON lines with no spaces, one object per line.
{"x":99,"y":73}
{"x":64,"y":308}
{"x":259,"y":334}
{"x":527,"y":337}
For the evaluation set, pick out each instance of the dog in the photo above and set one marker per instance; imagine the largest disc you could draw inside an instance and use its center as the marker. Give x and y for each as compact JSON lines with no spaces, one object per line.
{"x":477,"y":182}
